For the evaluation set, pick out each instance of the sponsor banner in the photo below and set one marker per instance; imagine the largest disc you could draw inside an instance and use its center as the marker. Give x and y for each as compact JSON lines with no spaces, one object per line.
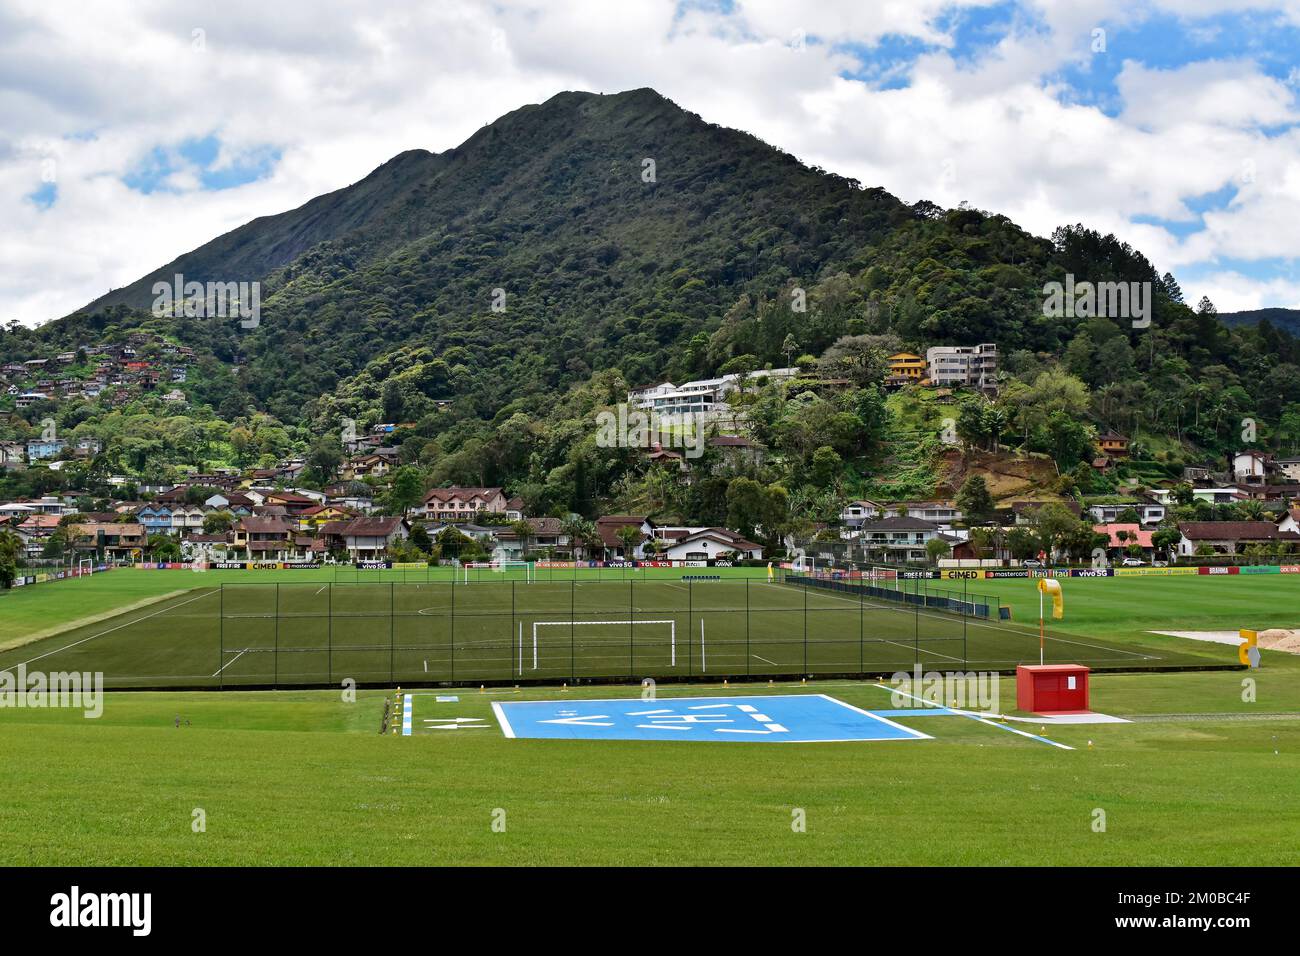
{"x":1290,"y":569}
{"x":694,"y":564}
{"x":721,"y":564}
{"x":407,"y":566}
{"x":1092,"y":572}
{"x":619,"y":564}
{"x":305,"y":565}
{"x":1021,"y":573}
{"x":229,"y":565}
{"x":372,"y":565}
{"x":655,"y":564}
{"x":917,"y":575}
{"x":1158,"y":571}
{"x":1261,"y":569}
{"x":1219,"y":570}
{"x":556,"y":564}
{"x":962,"y":574}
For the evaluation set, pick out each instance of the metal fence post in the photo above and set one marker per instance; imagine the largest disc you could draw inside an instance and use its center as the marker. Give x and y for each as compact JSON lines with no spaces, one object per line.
{"x":221,"y":638}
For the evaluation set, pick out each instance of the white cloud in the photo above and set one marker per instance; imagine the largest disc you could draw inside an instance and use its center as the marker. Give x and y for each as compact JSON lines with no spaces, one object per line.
{"x":339,"y":89}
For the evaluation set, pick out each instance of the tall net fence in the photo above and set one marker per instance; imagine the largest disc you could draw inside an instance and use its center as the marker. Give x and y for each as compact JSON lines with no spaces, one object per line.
{"x":573,"y":630}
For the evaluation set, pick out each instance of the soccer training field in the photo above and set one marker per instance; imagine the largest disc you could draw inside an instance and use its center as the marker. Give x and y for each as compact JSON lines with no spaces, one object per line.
{"x":294,"y":632}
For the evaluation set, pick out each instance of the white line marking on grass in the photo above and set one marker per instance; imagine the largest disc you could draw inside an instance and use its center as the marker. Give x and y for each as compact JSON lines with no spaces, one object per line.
{"x":914,"y":647}
{"x":976,"y":717}
{"x":763,"y":659}
{"x":110,"y":630}
{"x":884,"y":720}
{"x":230,"y":662}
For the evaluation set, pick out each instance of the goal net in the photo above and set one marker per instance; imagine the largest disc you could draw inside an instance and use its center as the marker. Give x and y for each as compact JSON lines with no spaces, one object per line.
{"x":539,"y":628}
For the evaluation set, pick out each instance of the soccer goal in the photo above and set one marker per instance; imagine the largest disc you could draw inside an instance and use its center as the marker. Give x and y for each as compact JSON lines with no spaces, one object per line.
{"x":85,"y":567}
{"x":507,"y":569}
{"x":537,"y":625}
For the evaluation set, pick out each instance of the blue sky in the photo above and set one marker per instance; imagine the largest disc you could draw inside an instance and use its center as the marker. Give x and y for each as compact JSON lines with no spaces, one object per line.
{"x":136,"y":133}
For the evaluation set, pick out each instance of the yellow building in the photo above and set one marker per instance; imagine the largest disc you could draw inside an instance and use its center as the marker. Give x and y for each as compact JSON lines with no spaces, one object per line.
{"x":906,"y":369}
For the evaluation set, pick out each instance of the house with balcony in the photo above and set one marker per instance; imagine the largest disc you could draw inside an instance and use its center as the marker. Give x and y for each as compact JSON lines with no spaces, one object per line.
{"x":265,"y":538}
{"x":906,"y":368}
{"x":456,"y":504}
{"x":39,"y":449}
{"x":896,"y":540}
{"x":972,"y":366}
{"x":108,"y":540}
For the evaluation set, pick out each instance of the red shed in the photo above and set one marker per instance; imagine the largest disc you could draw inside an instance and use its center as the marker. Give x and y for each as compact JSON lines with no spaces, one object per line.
{"x":1051,"y":688}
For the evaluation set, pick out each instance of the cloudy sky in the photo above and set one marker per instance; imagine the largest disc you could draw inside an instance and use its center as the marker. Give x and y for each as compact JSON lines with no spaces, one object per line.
{"x":133,"y":131}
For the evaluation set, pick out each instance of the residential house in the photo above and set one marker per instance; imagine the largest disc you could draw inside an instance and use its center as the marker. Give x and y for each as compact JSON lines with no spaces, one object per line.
{"x":1290,"y":521}
{"x":975,"y":366}
{"x":611,"y":545}
{"x":1229,"y":537}
{"x":705,"y":544}
{"x":156,"y":518}
{"x":1149,"y":511}
{"x":856,"y":512}
{"x":905,"y":368}
{"x":365,"y":539}
{"x":703,"y":396}
{"x":1113,"y":444}
{"x":111,"y":540}
{"x":1117,"y":547}
{"x":292,"y":502}
{"x":548,"y":536}
{"x":39,"y":449}
{"x":313,"y":518}
{"x":34,"y":531}
{"x":265,"y":538}
{"x":896,"y":540}
{"x":943,"y":513}
{"x":457,"y":504}
{"x":362,"y":466}
{"x":1251,"y":467}
{"x":1289,"y":468}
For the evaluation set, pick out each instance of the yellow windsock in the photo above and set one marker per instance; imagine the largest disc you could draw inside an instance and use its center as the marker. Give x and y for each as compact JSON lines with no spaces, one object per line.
{"x":1052,"y":587}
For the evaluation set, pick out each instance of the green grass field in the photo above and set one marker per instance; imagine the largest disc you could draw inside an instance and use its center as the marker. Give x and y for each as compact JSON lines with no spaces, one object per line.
{"x":296,"y":632}
{"x":1204,"y":774}
{"x":304,"y":778}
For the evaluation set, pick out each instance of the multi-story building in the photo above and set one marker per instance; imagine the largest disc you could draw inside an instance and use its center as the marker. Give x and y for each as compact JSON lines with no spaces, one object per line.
{"x":702,"y":396}
{"x":975,"y":366}
{"x":905,"y":368}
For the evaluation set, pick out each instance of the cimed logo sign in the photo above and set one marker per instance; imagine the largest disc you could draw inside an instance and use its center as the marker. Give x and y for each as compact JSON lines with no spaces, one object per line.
{"x":793,"y":718}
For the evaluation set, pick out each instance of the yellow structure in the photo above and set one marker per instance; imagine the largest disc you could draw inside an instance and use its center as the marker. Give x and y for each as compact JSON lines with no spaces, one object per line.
{"x":906,"y":369}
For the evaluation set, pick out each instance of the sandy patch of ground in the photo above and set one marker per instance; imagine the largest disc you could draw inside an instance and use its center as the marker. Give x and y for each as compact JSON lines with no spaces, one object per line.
{"x":1273,"y":639}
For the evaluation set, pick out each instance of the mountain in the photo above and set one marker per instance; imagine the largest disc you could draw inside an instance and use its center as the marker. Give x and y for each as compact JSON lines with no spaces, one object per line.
{"x":1288,"y":320}
{"x":490,"y":299}
{"x":600,"y":255}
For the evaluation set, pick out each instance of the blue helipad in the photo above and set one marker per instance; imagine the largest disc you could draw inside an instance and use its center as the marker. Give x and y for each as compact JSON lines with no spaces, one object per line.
{"x":789,"y":718}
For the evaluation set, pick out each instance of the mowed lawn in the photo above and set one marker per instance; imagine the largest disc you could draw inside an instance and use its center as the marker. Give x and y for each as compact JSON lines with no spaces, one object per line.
{"x":1129,"y":606}
{"x":41,"y":608}
{"x":305,"y":778}
{"x":296,"y":631}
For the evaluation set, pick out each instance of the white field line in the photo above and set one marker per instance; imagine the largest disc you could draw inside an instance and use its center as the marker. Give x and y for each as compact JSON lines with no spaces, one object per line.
{"x":973,"y":715}
{"x":111,"y":630}
{"x":229,"y":662}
